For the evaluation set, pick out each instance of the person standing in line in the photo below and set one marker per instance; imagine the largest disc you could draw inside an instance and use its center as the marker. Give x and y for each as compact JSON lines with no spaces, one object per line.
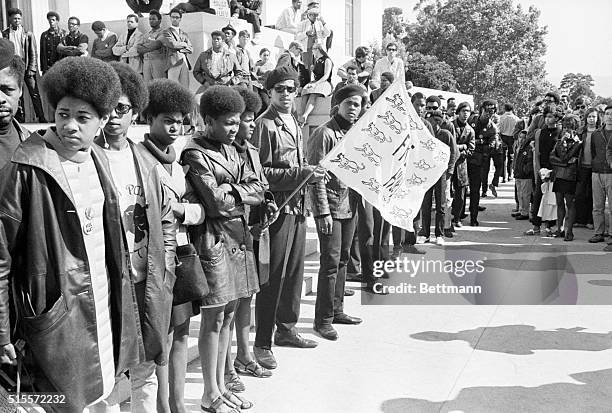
{"x":290,"y":18}
{"x":150,"y":231}
{"x":103,"y":43}
{"x":25,"y":47}
{"x":75,"y":43}
{"x":439,"y":189}
{"x":584,"y":189}
{"x":544,"y":142}
{"x":486,"y":140}
{"x":601,"y":163}
{"x":507,"y":122}
{"x":281,"y":152}
{"x":59,"y":182}
{"x":564,"y":160}
{"x":152,"y":50}
{"x":224,"y":185}
{"x":523,"y":174}
{"x":465,"y":144}
{"x":125,"y":48}
{"x":169,"y":102}
{"x":177,"y":43}
{"x":257,"y":217}
{"x":49,"y":40}
{"x":335,"y":211}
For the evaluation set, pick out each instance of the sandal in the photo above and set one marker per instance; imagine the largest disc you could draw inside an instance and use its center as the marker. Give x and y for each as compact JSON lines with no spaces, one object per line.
{"x":233,"y":382}
{"x":241,"y":403}
{"x":532,"y":231}
{"x":218,"y":402}
{"x":252,"y":367}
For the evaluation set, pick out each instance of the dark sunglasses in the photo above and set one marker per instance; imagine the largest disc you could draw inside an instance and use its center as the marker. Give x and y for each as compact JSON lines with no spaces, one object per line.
{"x":282,"y":88}
{"x":580,"y":106}
{"x":392,"y":50}
{"x":431,"y":107}
{"x":122,"y":109}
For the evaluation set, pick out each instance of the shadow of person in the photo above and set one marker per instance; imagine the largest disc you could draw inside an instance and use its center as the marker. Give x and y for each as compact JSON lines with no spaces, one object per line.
{"x":592,"y":394}
{"x":523,"y":339}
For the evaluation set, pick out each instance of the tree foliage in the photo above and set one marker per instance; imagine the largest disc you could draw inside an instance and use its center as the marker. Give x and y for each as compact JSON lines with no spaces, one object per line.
{"x":392,"y":22}
{"x":494,"y":46}
{"x":578,"y":84}
{"x":428,"y":71}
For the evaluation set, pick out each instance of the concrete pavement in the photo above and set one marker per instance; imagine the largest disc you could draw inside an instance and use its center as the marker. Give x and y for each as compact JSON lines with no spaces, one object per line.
{"x":435,"y":357}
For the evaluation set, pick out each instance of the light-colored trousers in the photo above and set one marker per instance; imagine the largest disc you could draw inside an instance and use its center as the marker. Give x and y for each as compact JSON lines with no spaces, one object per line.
{"x":602,"y":189}
{"x":154,"y":69}
{"x":143,"y":383}
{"x":524,"y":187}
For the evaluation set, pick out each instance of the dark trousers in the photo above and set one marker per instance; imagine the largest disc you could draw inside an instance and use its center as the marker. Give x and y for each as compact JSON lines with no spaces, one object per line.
{"x":252,"y":18}
{"x":279,"y":300}
{"x":401,"y":237}
{"x":507,"y":146}
{"x":140,"y":7}
{"x":354,"y":263}
{"x":458,"y":205}
{"x":438,"y":190}
{"x":498,"y":164}
{"x":373,"y":236}
{"x":335,"y":251}
{"x":584,"y":197}
{"x":536,"y":199}
{"x":30,"y":82}
{"x":475,"y":177}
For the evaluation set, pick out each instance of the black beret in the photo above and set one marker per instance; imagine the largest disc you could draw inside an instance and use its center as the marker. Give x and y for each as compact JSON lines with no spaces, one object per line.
{"x":347,"y":92}
{"x":7,"y":51}
{"x":280,"y":74}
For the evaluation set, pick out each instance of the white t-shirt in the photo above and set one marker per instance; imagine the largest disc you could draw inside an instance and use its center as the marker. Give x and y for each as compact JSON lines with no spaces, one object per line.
{"x":131,"y":202}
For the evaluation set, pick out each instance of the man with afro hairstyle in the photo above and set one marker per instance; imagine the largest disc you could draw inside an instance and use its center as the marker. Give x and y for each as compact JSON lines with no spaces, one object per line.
{"x":149,"y":227}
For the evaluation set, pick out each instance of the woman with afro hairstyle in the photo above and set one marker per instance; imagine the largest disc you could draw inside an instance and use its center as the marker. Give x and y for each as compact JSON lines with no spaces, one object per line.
{"x":148,"y":223}
{"x":224,"y":184}
{"x":169,"y":102}
{"x":61,"y":247}
{"x":257,"y":216}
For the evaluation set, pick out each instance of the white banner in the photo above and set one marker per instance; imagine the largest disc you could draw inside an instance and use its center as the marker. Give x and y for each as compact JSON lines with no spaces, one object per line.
{"x":390,"y":158}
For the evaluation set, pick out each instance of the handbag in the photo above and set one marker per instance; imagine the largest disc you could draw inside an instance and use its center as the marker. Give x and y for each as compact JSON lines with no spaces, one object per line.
{"x":190,"y":284}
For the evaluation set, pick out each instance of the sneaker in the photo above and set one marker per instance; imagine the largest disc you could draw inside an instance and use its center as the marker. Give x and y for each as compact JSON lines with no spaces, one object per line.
{"x":422,"y":240}
{"x":596,"y":238}
{"x":457,"y":224}
{"x":440,"y":241}
{"x":515,"y":214}
{"x":493,"y":190}
{"x":448,"y":233}
{"x":483,"y":195}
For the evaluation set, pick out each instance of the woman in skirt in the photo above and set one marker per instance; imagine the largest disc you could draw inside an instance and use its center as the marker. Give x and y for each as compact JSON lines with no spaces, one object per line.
{"x":321,"y":87}
{"x":223,"y":183}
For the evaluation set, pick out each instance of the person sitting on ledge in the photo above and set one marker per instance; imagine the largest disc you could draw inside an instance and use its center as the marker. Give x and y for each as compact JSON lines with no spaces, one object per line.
{"x":193,"y":6}
{"x":144,"y":6}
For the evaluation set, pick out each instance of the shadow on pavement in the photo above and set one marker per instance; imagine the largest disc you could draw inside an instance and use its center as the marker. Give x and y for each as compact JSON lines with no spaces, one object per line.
{"x":523,"y":339}
{"x":592,"y":395}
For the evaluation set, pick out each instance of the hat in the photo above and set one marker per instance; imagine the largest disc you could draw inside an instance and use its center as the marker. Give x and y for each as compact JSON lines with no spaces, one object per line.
{"x":348,"y":91}
{"x":461,"y":106}
{"x":280,"y":74}
{"x":229,"y":27}
{"x":98,"y":26}
{"x":7,"y":52}
{"x":312,"y":4}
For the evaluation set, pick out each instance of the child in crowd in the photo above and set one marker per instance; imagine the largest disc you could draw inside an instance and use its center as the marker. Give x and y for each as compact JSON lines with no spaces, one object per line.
{"x":523,"y":173}
{"x":564,"y":159}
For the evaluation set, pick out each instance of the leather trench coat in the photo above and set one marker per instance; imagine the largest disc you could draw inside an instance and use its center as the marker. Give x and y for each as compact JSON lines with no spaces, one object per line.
{"x":223,"y":184}
{"x":50,"y":271}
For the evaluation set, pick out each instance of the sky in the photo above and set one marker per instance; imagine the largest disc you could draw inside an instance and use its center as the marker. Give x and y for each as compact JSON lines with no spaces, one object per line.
{"x":578,"y":39}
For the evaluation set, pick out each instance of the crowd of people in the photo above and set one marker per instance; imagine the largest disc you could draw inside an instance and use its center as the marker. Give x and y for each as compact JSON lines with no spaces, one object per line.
{"x":91,"y":223}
